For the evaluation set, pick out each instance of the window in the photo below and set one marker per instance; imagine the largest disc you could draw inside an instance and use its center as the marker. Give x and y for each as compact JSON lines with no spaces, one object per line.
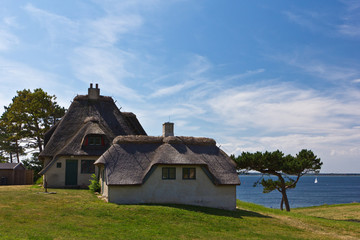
{"x":189,"y":173}
{"x":87,"y":166}
{"x":94,"y":140}
{"x":58,"y":165}
{"x":168,"y":173}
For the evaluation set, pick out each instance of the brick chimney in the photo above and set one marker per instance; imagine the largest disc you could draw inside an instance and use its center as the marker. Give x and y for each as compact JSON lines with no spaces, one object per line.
{"x":93,"y":93}
{"x":168,"y":129}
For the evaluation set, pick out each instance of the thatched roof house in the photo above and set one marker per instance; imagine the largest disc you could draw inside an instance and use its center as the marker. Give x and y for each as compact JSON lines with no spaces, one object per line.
{"x":81,"y":136}
{"x":168,"y":169}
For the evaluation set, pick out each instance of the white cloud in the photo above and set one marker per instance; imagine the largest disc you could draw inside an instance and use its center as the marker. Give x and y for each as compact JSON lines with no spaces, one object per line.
{"x":244,"y":75}
{"x":106,"y":31}
{"x":318,"y":68}
{"x":351,"y":4}
{"x":7,"y":40}
{"x":101,"y":32}
{"x":173,"y":89}
{"x":57,"y":26}
{"x":350,"y":26}
{"x":197,"y":66}
{"x":301,"y":20}
{"x":351,"y":30}
{"x":280,"y":108}
{"x":281,"y":116}
{"x":106,"y":67}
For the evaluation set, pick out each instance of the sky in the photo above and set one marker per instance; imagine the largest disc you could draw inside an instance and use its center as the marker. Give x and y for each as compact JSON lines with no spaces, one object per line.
{"x":254,"y":75}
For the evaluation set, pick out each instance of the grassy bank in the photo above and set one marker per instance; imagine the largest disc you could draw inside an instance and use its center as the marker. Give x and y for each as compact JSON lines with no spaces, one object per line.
{"x":27,"y":213}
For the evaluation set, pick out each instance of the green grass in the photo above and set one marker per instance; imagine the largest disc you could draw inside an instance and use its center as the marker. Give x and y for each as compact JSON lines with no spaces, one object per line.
{"x":28,"y":213}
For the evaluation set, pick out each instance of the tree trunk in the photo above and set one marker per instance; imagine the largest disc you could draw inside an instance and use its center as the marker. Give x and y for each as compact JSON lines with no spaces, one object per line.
{"x":285,"y":199}
{"x":11,"y":157}
{"x":283,"y":193}
{"x":17,"y":151}
{"x":282,"y":204}
{"x":39,"y":144}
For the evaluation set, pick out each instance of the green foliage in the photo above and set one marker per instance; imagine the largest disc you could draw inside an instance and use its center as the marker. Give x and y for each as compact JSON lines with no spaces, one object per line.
{"x":9,"y":139}
{"x":34,"y":164}
{"x":94,"y":184}
{"x":39,"y":181}
{"x":280,"y":165}
{"x":25,"y":120}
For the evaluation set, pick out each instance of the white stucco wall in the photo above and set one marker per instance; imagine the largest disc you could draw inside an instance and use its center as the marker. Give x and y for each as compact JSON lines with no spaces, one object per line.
{"x":201,"y":191}
{"x":104,"y":187}
{"x":55,"y":177}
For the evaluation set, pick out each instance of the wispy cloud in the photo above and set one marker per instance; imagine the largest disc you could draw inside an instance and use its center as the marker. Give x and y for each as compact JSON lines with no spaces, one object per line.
{"x":106,"y":67}
{"x":282,"y":108}
{"x":304,"y":21}
{"x":351,"y":4}
{"x":247,"y":74}
{"x":350,"y":26}
{"x":7,"y":40}
{"x":173,"y":89}
{"x":57,"y":26}
{"x":107,"y":30}
{"x":352,"y":30}
{"x":260,"y":118}
{"x":317,"y":67}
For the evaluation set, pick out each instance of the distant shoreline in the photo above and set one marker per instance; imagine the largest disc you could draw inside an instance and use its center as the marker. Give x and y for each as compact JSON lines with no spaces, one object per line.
{"x":312,"y":174}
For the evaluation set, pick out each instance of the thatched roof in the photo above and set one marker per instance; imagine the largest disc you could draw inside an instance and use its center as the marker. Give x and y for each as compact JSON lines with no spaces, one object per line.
{"x":131,"y":159}
{"x":85,"y":117}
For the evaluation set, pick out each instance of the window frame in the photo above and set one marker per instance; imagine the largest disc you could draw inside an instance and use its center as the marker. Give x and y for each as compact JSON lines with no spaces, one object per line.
{"x":94,"y":140}
{"x":168,"y":176}
{"x":87,"y":166}
{"x":186,"y":173}
{"x":58,"y":165}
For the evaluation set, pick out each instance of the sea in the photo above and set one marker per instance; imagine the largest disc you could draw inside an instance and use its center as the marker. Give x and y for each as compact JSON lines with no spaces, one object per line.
{"x":329,"y":189}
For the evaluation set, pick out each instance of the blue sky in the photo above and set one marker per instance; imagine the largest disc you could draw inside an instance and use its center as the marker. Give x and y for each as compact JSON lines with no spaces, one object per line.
{"x":253,"y":75}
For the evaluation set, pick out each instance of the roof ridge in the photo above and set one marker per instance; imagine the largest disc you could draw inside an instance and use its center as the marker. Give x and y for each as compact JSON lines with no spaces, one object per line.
{"x":141,"y":139}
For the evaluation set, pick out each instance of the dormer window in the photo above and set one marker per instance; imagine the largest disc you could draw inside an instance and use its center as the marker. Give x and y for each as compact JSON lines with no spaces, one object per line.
{"x":94,"y":140}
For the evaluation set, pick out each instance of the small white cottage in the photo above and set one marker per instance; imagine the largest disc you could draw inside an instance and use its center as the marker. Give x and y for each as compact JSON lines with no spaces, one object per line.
{"x":168,"y":169}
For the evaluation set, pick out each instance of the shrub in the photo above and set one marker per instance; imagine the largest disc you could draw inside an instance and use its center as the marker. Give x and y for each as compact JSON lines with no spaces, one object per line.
{"x":94,"y":184}
{"x":39,"y":181}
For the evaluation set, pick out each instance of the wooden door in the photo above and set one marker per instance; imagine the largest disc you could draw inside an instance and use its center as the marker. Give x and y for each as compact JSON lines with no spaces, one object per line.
{"x":71,"y":172}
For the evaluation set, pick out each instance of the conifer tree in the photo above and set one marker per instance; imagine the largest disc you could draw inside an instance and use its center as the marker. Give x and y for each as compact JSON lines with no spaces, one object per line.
{"x":288,"y":169}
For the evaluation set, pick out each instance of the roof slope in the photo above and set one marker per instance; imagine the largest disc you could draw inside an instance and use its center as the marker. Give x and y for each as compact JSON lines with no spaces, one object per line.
{"x":7,"y":166}
{"x":130,"y":159}
{"x":88,"y":117}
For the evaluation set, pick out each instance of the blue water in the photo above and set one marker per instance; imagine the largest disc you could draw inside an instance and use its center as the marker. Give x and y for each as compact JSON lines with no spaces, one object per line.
{"x":328,"y":190}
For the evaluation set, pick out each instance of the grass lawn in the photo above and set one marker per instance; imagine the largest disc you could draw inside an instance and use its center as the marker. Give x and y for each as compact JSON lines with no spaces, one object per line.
{"x":28,"y":213}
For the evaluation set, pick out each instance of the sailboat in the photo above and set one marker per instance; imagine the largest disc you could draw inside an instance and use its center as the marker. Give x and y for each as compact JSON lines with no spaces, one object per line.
{"x":316,"y":180}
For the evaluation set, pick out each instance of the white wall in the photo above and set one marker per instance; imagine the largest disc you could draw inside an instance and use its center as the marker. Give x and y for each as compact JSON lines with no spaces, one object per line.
{"x":55,"y":177}
{"x":201,"y":192}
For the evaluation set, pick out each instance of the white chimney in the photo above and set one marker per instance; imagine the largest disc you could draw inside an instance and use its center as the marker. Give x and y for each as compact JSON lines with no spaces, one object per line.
{"x":93,"y":93}
{"x":168,"y":129}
